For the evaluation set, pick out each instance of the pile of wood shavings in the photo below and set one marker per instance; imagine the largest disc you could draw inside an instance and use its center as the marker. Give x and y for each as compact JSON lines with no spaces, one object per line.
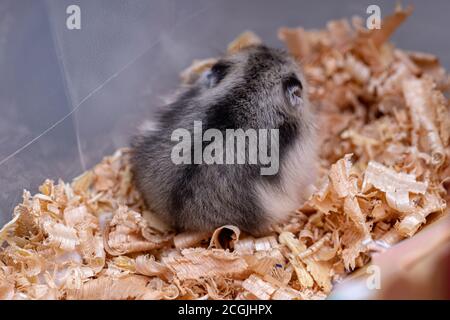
{"x":385,"y":128}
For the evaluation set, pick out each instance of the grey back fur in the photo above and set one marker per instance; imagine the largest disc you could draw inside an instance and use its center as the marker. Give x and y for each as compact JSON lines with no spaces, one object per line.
{"x":246,"y":91}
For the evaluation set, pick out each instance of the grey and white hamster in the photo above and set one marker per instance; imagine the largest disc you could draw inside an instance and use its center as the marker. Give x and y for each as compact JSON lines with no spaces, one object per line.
{"x":260,"y":88}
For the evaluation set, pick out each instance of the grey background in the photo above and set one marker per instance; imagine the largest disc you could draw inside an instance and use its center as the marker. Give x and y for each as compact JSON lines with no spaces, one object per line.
{"x":83,"y":92}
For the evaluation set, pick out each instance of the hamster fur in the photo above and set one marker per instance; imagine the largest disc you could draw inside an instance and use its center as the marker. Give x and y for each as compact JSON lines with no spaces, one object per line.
{"x":249,"y":89}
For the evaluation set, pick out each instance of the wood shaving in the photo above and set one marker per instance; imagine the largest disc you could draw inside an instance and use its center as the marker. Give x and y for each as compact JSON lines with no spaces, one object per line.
{"x":198,"y":263}
{"x":245,"y":39}
{"x":418,"y":93}
{"x":225,"y":237}
{"x":258,"y":287}
{"x":384,"y":163}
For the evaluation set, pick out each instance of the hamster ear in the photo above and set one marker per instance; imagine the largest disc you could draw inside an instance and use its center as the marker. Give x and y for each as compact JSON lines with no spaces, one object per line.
{"x":214,"y":75}
{"x":293,"y":90}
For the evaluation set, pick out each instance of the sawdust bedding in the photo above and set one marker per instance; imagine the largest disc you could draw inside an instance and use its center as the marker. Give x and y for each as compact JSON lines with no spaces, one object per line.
{"x":384,"y":164}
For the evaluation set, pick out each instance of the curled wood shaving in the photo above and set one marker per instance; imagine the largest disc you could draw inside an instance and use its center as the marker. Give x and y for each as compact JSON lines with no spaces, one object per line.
{"x":391,"y":237}
{"x":29,"y":262}
{"x":129,"y":233}
{"x":307,"y":268}
{"x":261,"y":265}
{"x":287,"y":294}
{"x":198,"y":263}
{"x":355,"y":245}
{"x":258,"y":287}
{"x":245,"y":246}
{"x":396,"y":185}
{"x":190,"y":239}
{"x":411,"y":223}
{"x":315,"y":247}
{"x":266,"y":243}
{"x":340,"y":177}
{"x":60,"y":235}
{"x":83,"y":182}
{"x":158,"y":290}
{"x":353,"y":210}
{"x":417,"y":94}
{"x":148,"y":266}
{"x":107,"y":288}
{"x":225,"y":237}
{"x":7,"y":288}
{"x":244,"y":40}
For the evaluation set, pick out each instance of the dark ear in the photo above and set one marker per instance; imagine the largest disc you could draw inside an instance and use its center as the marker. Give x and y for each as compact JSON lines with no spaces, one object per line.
{"x":216,"y":74}
{"x":293,"y":90}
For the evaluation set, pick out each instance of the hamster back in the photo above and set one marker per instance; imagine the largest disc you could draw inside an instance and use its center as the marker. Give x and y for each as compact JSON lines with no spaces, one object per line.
{"x":257,"y":90}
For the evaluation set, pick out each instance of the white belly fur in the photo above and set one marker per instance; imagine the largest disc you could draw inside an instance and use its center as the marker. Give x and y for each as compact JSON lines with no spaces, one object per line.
{"x":298,"y":173}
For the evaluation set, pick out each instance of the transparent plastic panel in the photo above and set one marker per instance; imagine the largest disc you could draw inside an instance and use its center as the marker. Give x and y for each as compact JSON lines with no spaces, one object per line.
{"x":70,"y":97}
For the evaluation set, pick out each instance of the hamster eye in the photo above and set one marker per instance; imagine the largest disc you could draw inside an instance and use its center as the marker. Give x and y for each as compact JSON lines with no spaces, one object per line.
{"x":293,"y":89}
{"x":216,"y":74}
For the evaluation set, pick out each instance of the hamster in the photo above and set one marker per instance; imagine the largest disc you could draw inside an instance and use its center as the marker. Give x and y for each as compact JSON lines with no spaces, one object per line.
{"x":259,"y":88}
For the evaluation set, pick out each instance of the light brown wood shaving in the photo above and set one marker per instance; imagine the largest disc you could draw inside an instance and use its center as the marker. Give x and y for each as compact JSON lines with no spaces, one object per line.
{"x":245,"y":39}
{"x":384,"y":163}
